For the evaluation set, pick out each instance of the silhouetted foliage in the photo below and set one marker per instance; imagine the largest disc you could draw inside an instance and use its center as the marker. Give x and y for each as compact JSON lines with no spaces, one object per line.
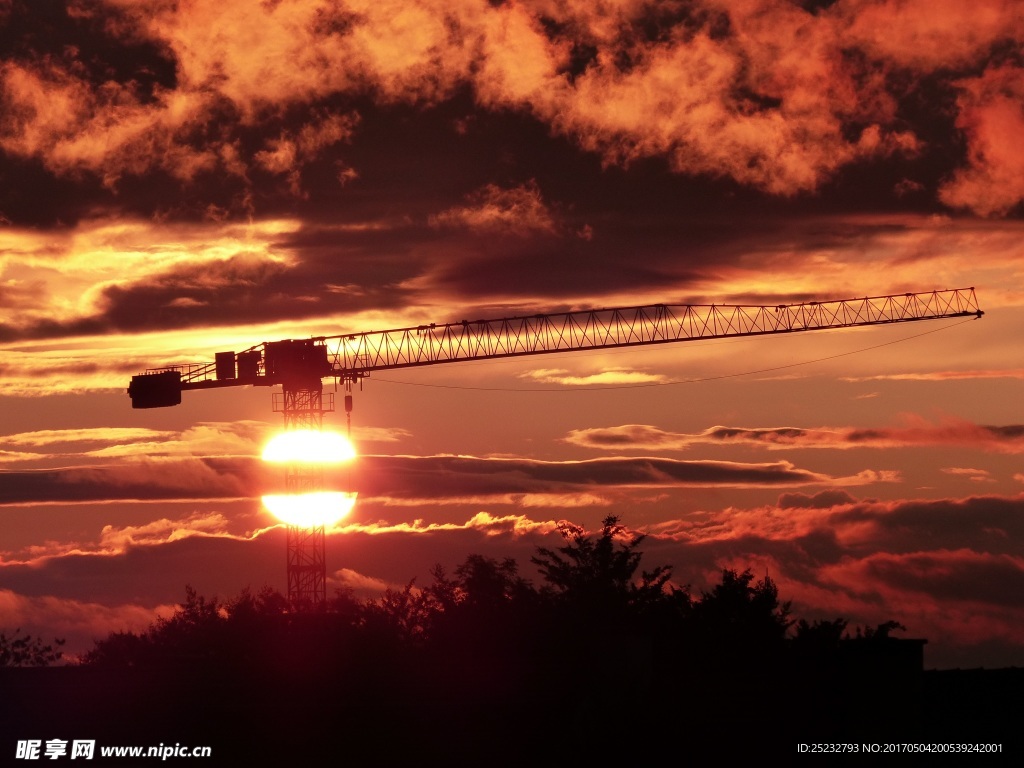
{"x":484,"y":583}
{"x":484,"y":591}
{"x":820,"y":634}
{"x":402,"y":614}
{"x":881,"y":632}
{"x":597,"y":575}
{"x":202,"y":632}
{"x":121,"y":649}
{"x":600,"y":640}
{"x":24,"y":650}
{"x":738,"y":612}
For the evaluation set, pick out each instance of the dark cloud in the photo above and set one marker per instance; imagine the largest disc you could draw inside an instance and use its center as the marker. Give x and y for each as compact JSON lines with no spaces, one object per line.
{"x":156,"y":479}
{"x":992,"y":524}
{"x":917,"y":432}
{"x":246,"y":288}
{"x":427,"y":477}
{"x":439,"y":476}
{"x":821,"y":500}
{"x":960,"y":575}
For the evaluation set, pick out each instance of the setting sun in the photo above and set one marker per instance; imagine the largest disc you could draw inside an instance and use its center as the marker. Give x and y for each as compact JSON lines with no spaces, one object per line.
{"x":308,"y":510}
{"x":313,"y":504}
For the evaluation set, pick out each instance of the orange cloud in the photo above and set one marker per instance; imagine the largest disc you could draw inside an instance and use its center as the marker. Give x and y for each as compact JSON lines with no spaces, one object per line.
{"x":929,"y":34}
{"x":52,"y":114}
{"x":86,"y":268}
{"x":960,"y":575}
{"x":482,"y":521}
{"x":1009,"y":373}
{"x":975,"y":475}
{"x":824,"y":521}
{"x":607,"y":377}
{"x":49,"y":437}
{"x":240,"y":438}
{"x":461,"y":477}
{"x":950,"y":569}
{"x":368,"y":434}
{"x":115,"y":539}
{"x":991,"y":116}
{"x":519,"y":210}
{"x":13,"y":456}
{"x":286,"y":154}
{"x":757,"y":91}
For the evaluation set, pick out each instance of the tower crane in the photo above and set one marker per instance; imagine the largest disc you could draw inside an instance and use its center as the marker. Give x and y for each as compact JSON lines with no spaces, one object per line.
{"x":299,"y":366}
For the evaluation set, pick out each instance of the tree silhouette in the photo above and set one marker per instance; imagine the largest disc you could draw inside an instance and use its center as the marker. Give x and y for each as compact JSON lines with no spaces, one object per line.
{"x":485,"y":582}
{"x":736,"y":611}
{"x":597,"y":575}
{"x":24,"y":650}
{"x":202,"y":633}
{"x":821,"y":634}
{"x":484,"y":594}
{"x":401,"y":616}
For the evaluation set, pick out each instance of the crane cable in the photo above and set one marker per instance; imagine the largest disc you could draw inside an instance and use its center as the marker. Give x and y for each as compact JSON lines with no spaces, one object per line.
{"x":677,"y":381}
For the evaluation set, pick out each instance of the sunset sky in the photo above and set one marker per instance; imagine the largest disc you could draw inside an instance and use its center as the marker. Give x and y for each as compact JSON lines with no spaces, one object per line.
{"x":182,"y":178}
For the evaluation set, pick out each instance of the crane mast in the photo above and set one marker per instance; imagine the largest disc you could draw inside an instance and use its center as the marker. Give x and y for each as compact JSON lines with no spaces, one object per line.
{"x":300,"y":365}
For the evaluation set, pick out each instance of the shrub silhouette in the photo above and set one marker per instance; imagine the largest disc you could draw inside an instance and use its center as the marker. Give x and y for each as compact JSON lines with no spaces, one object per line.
{"x":25,"y":650}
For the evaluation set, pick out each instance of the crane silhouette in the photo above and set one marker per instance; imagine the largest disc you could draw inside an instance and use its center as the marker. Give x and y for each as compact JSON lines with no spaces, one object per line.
{"x":299,"y":366}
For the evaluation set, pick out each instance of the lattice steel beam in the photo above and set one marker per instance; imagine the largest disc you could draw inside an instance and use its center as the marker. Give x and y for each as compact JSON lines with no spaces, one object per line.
{"x":299,"y":364}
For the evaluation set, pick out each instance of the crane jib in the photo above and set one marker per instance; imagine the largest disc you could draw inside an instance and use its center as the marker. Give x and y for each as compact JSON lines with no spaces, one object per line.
{"x":303,"y":363}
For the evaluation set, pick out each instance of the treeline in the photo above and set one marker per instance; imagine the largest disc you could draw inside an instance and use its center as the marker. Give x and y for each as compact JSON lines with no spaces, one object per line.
{"x":594,"y":599}
{"x":598,"y":638}
{"x":480,"y":666}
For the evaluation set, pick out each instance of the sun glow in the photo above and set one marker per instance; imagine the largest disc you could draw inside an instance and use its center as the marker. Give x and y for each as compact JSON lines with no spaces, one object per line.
{"x":309,"y":446}
{"x":308,"y":510}
{"x":317,"y":504}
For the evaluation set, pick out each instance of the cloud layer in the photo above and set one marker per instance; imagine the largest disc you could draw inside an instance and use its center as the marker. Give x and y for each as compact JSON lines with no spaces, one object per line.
{"x":766,"y":92}
{"x":917,"y":432}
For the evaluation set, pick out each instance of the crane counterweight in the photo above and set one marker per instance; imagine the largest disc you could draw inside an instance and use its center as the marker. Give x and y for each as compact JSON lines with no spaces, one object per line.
{"x":159,"y":389}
